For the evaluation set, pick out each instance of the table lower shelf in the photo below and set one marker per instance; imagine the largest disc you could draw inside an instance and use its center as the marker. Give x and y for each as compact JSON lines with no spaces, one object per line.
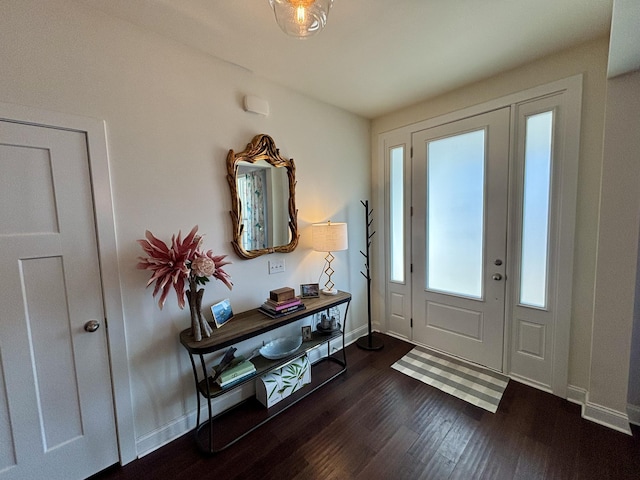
{"x":237,"y":422}
{"x":210,"y":389}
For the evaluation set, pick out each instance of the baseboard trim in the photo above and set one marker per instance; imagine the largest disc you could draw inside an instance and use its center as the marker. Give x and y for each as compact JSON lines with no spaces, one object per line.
{"x":593,"y":412}
{"x":186,"y":423}
{"x":606,"y":416}
{"x":633,"y":411}
{"x":352,"y":336}
{"x":162,"y":436}
{"x":576,"y":395}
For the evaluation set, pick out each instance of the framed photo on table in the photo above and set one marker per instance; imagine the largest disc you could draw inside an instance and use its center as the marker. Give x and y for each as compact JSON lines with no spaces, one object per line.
{"x":309,"y":290}
{"x":306,"y":333}
{"x":222,"y":312}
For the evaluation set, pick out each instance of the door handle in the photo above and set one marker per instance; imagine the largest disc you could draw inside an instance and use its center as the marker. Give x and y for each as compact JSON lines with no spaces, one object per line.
{"x":91,"y":326}
{"x":497,"y":277}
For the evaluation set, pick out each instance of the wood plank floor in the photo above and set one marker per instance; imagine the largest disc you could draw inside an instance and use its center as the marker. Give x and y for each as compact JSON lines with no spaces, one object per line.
{"x":376,"y":423}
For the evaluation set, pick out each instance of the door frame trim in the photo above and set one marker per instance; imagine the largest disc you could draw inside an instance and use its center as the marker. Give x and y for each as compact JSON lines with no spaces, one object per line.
{"x":95,"y":131}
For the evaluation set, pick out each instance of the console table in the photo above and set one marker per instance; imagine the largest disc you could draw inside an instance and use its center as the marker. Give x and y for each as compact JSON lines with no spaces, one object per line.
{"x":238,"y":421}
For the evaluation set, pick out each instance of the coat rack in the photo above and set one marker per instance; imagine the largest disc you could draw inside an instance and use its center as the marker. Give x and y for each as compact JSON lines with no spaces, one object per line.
{"x":369,"y":341}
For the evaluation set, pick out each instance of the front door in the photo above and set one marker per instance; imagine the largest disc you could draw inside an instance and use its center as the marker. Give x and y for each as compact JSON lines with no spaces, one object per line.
{"x":459,"y":232}
{"x":56,"y":405}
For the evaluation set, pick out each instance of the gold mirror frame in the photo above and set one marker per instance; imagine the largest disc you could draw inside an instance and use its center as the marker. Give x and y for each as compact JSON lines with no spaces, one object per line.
{"x":262,"y":147}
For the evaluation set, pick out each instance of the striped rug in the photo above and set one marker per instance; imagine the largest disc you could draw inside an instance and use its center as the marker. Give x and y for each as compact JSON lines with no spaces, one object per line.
{"x":469,"y":382}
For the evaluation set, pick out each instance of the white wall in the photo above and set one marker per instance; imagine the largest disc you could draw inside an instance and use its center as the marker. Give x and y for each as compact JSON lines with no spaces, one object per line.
{"x":617,"y":250}
{"x":633,"y":396}
{"x":172,"y":114}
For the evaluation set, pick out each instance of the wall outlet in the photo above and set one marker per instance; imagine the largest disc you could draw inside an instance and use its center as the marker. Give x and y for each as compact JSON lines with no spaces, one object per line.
{"x":276,"y":266}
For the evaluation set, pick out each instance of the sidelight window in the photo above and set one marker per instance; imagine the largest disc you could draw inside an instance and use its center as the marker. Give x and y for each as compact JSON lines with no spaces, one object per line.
{"x":396,"y":209}
{"x":535,"y":210}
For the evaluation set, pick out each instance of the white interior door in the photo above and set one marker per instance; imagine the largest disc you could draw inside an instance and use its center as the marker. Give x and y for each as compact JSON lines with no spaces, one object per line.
{"x":459,"y":231}
{"x":56,"y":406}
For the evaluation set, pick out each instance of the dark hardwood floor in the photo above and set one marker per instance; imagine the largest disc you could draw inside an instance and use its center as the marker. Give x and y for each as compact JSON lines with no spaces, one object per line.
{"x":376,"y":423}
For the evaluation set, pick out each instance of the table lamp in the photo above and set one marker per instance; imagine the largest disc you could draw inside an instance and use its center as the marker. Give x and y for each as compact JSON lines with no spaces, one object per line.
{"x":329,"y":237}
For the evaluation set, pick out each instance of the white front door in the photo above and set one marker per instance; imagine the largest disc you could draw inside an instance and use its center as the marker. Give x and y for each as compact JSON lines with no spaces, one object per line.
{"x":56,"y":405}
{"x":459,"y":230}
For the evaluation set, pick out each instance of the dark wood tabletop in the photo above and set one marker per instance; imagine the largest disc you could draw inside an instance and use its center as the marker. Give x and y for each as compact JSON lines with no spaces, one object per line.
{"x":253,"y":322}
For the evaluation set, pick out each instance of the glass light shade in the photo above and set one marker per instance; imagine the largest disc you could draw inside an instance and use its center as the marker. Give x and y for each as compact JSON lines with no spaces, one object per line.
{"x":329,"y":237}
{"x":301,"y":18}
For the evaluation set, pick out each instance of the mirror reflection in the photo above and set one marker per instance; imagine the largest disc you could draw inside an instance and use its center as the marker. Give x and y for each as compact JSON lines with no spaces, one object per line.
{"x":264,"y":193}
{"x":262,"y":185}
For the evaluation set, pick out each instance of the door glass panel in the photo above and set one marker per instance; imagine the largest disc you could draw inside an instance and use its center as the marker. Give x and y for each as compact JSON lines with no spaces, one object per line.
{"x":535,"y":211}
{"x":396,"y":209}
{"x":455,"y":214}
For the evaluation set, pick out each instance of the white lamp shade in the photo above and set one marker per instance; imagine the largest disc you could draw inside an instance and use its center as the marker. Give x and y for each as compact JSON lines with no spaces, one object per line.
{"x":329,"y":237}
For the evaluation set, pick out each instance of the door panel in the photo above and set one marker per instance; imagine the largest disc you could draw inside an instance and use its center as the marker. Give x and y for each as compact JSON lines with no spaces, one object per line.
{"x":459,"y":225}
{"x":56,"y":405}
{"x":538,"y":173}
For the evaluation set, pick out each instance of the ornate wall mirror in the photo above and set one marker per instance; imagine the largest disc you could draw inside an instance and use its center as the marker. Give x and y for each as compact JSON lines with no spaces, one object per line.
{"x":262,"y":184}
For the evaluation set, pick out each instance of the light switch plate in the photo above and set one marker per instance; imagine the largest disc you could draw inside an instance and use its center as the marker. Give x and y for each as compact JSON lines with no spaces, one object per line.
{"x":276,"y":266}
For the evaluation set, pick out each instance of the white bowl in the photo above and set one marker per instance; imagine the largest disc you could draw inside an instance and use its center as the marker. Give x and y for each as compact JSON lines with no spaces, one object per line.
{"x":281,"y":347}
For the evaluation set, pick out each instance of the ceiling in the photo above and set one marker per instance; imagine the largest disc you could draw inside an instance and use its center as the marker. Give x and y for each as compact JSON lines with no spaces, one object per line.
{"x":375,"y":56}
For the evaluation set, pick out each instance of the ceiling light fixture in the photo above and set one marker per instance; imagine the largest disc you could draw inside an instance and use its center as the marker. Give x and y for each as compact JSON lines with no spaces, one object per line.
{"x":301,"y":18}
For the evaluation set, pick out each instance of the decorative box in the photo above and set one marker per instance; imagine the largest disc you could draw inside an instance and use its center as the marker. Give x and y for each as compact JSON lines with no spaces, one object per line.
{"x":279,"y":384}
{"x":281,"y":294}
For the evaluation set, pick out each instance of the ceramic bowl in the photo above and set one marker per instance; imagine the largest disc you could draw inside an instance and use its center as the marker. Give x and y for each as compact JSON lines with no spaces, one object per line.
{"x":281,"y":347}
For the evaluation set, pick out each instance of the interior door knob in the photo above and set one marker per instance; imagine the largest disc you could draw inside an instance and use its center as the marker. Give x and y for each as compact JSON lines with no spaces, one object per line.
{"x":92,"y":326}
{"x":497,"y":276}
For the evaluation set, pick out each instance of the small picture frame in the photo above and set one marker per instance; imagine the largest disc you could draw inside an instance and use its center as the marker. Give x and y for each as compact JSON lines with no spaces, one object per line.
{"x":222,"y":312}
{"x":306,"y":333}
{"x":309,"y":290}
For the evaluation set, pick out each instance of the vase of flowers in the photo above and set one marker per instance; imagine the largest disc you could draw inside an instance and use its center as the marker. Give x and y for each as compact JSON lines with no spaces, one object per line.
{"x":183,"y":266}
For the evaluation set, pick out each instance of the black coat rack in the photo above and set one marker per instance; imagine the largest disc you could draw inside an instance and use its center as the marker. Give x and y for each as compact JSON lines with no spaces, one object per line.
{"x":370,"y":341}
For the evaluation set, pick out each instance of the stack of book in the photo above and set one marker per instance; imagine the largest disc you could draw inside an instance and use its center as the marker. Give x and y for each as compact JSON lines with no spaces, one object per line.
{"x":235,"y":373}
{"x":277,"y":309}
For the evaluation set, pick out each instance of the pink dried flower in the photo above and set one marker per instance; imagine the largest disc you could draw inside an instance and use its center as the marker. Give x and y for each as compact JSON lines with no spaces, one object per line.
{"x":220,"y":274}
{"x":173,"y":267}
{"x":203,"y":267}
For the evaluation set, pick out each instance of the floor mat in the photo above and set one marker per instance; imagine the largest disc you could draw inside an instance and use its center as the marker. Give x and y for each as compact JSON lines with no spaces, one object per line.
{"x":471,"y":383}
